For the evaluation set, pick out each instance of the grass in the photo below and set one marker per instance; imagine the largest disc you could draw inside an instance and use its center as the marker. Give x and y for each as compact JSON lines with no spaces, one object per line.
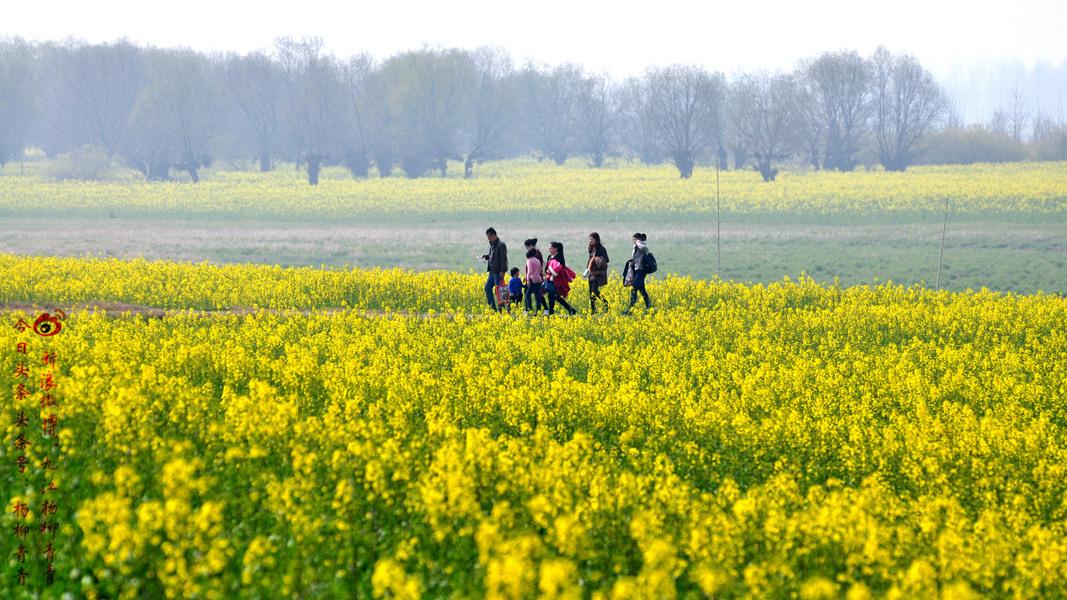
{"x":1016,"y":244}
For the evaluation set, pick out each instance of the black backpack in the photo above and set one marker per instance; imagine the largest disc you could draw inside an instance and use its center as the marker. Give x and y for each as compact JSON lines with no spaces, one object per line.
{"x":648,"y":263}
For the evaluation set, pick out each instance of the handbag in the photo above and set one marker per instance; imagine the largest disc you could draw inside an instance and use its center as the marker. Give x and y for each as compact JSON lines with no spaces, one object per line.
{"x":628,"y":273}
{"x":598,"y":274}
{"x":503,"y":294}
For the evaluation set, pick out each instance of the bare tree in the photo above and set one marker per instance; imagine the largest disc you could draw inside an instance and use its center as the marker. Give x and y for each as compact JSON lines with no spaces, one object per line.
{"x":550,"y":109}
{"x":838,"y":88}
{"x":1018,"y":114}
{"x":490,"y":107}
{"x":1044,"y":127}
{"x":687,"y":104}
{"x":146,"y":143}
{"x":255,"y":84}
{"x":356,"y":75}
{"x":597,"y":113}
{"x":953,"y":116}
{"x":763,"y":110}
{"x":183,"y":105}
{"x":811,"y":125}
{"x":638,"y":122}
{"x":16,"y":98}
{"x":314,"y":101}
{"x":92,"y":92}
{"x":908,"y":104}
{"x":998,"y":123}
{"x":380,"y":123}
{"x":428,"y":89}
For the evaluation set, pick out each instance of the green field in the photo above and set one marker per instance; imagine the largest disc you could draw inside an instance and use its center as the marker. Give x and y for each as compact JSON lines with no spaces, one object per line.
{"x":1007,"y":224}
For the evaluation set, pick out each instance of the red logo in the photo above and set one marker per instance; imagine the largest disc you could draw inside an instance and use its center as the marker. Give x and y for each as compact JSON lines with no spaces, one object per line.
{"x":48,"y":324}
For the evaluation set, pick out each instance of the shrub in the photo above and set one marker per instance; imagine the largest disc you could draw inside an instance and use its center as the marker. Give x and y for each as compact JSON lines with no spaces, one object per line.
{"x":86,"y":163}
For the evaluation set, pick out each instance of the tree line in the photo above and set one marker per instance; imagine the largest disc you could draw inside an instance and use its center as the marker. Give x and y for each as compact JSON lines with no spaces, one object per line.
{"x":164,"y":110}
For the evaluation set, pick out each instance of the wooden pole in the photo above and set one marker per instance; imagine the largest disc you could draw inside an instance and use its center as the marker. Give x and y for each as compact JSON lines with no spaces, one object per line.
{"x":941,"y":257}
{"x":718,"y":221}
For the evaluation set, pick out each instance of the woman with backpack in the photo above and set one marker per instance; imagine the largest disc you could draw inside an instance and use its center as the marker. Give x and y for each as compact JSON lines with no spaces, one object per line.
{"x":638,"y":266}
{"x":558,"y":277}
{"x":596,"y":271}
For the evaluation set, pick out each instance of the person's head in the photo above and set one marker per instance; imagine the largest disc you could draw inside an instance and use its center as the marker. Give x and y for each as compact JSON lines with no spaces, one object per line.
{"x":531,"y":253}
{"x":594,"y":240}
{"x":530,"y":243}
{"x":640,"y":237}
{"x":514,"y":271}
{"x":490,"y":234}
{"x":556,"y":250}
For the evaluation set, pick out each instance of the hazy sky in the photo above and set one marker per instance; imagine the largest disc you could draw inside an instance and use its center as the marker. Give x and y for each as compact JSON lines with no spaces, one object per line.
{"x":618,"y":37}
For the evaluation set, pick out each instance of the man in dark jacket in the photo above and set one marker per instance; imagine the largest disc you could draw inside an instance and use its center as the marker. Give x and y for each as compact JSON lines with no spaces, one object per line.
{"x":496,"y":266}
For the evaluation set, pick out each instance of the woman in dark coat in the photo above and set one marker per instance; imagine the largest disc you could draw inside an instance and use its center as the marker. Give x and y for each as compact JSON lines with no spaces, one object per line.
{"x":637,"y":264}
{"x":596,"y":271}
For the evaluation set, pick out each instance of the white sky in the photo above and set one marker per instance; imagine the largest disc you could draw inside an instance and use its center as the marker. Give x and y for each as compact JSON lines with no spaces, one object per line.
{"x":618,"y":37}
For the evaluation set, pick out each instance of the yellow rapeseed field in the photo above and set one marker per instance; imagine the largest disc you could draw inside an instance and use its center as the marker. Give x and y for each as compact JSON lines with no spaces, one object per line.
{"x":787,"y":440}
{"x":508,"y":187}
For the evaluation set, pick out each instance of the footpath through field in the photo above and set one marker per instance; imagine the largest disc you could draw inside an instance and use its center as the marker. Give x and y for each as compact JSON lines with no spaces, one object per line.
{"x":119,"y":309}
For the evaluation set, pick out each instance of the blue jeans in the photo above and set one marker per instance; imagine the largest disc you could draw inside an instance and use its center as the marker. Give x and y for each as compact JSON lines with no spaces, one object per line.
{"x":639,"y":286}
{"x":491,"y":282}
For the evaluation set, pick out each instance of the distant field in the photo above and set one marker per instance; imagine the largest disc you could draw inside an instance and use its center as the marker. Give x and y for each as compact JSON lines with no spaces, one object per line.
{"x":1007,"y":223}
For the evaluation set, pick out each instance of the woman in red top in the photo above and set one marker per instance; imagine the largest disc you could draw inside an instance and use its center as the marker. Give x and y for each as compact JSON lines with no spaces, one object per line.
{"x":558,"y":278}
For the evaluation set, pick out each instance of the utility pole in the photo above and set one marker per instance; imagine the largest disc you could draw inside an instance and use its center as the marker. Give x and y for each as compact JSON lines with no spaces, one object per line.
{"x":941,"y":257}
{"x":718,"y":221}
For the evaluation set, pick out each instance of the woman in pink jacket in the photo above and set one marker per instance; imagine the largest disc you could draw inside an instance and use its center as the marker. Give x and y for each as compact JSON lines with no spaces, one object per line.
{"x":534,"y":280}
{"x":559,"y":277}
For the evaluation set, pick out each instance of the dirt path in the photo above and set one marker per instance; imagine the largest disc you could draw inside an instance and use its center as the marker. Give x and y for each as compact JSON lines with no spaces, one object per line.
{"x":117,"y":308}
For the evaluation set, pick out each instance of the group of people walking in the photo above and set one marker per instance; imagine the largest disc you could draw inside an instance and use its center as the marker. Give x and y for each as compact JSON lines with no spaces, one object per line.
{"x":545,"y":283}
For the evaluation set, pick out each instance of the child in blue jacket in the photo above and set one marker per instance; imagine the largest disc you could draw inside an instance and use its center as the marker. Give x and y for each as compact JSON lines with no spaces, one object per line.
{"x":515,"y":288}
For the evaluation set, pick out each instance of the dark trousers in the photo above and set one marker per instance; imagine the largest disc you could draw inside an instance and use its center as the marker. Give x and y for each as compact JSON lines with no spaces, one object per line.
{"x":534,"y":290}
{"x":639,"y":286}
{"x":491,"y":282}
{"x":554,"y":297}
{"x":594,"y":295}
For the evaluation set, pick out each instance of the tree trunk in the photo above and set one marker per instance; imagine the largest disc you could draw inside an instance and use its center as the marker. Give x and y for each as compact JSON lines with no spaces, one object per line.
{"x":559,"y":157}
{"x":314,"y":164}
{"x":358,"y":165}
{"x":264,"y":162}
{"x":468,"y":167}
{"x":740,"y":157}
{"x":158,"y":170}
{"x":383,"y":159}
{"x":598,"y":159}
{"x":684,"y":161}
{"x":442,"y":164}
{"x":894,"y":164}
{"x":813,"y":156}
{"x":766,"y":171}
{"x":192,"y":169}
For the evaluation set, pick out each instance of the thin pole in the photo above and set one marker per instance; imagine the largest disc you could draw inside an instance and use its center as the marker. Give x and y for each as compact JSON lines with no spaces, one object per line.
{"x":941,"y":258}
{"x":718,"y":221}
